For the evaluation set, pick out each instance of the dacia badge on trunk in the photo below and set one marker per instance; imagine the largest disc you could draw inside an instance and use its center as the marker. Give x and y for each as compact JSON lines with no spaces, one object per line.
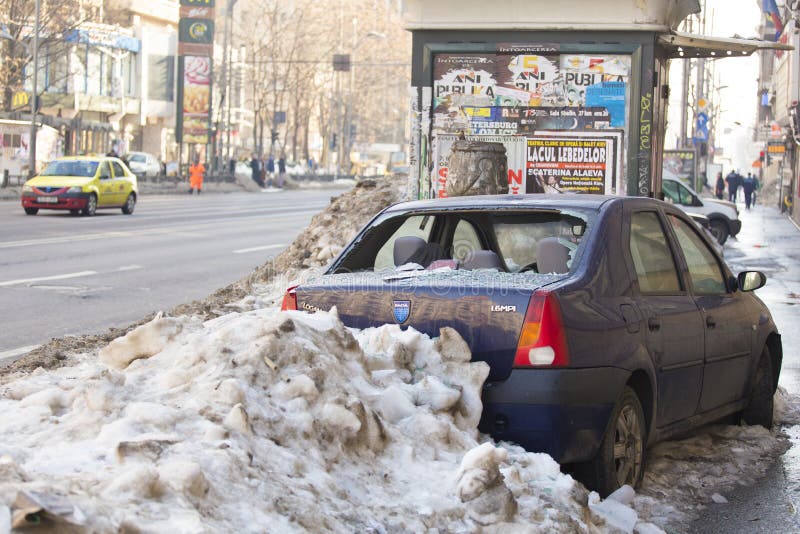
{"x":402,"y":308}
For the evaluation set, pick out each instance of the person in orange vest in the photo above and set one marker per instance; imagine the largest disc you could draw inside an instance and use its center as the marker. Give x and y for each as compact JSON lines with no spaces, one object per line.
{"x":196,"y":171}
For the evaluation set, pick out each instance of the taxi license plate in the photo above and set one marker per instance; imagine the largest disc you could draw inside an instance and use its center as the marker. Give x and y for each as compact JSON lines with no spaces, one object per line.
{"x":47,"y":200}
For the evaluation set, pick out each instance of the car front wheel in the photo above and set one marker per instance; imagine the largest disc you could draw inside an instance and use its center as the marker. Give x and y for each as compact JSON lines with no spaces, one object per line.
{"x":31,"y":211}
{"x":91,"y":206}
{"x":720,"y":230}
{"x":620,"y":458}
{"x":129,"y":205}
{"x":759,"y":406}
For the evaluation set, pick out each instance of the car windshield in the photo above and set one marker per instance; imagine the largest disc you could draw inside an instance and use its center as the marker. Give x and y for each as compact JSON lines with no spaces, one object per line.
{"x":137,"y":158}
{"x":71,"y":168}
{"x":533,"y":241}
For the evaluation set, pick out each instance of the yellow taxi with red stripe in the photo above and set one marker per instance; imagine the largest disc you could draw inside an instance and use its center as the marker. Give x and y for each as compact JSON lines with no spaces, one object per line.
{"x":82,"y":185}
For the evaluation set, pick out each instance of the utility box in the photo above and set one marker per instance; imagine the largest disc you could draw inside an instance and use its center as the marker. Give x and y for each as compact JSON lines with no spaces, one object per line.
{"x":575,"y":91}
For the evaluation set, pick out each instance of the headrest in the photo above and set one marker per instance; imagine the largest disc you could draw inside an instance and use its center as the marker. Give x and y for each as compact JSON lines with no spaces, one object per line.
{"x":407,"y":247}
{"x":552,"y":256}
{"x":482,"y":259}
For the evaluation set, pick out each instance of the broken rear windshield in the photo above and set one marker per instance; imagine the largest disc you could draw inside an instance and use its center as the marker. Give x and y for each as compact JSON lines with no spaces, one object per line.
{"x":531,"y":241}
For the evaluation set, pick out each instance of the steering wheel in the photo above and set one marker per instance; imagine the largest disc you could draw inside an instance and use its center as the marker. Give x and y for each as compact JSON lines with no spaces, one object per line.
{"x":530,"y":267}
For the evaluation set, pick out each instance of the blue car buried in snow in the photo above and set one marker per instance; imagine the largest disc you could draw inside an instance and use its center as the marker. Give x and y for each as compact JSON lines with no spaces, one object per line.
{"x":608,"y":323}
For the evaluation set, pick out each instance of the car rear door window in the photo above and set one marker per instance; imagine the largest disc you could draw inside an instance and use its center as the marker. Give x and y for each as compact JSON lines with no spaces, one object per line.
{"x":704,"y":269}
{"x":118,"y":172}
{"x":676,"y":193}
{"x":652,"y":257}
{"x":415,"y":226}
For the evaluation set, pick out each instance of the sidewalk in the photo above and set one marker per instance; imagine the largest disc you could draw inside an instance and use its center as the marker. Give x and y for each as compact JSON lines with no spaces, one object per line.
{"x":769,"y":242}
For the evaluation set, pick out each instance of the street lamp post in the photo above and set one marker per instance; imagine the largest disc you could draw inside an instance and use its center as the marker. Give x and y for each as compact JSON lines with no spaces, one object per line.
{"x":34,"y":91}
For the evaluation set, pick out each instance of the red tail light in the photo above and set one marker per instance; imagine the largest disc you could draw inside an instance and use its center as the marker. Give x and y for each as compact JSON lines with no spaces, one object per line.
{"x":289,"y":299}
{"x":542,"y":342}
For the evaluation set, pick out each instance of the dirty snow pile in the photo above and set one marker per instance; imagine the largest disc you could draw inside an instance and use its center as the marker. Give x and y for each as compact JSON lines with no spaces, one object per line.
{"x":276,"y":421}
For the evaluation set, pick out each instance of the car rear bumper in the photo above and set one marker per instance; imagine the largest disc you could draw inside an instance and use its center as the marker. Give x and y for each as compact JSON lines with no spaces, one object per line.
{"x":562,"y":412}
{"x":65,"y":201}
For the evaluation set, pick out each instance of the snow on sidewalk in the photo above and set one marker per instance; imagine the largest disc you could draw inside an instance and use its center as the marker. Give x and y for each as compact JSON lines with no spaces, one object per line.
{"x":291,"y":422}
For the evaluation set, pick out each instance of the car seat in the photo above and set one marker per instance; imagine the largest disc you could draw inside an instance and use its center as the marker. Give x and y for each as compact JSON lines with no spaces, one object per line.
{"x":412,"y":249}
{"x":482,"y":259}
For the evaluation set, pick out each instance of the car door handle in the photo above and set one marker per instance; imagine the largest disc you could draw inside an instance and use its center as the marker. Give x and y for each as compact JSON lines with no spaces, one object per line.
{"x":710,"y":322}
{"x":654,"y":324}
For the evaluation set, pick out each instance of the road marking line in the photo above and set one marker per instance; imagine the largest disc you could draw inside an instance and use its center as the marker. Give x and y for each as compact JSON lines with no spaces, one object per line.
{"x":254,"y":249}
{"x":129,"y":268}
{"x":46,"y":278}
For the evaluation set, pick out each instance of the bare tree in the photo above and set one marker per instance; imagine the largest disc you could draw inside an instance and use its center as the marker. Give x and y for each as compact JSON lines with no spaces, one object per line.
{"x":58,"y":18}
{"x":291,"y":47}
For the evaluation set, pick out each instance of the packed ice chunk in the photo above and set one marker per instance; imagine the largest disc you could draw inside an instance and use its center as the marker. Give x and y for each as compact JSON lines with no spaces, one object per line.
{"x":142,"y":342}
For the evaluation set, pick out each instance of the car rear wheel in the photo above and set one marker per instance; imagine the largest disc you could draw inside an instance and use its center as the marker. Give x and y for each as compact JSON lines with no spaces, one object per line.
{"x":759,"y":407}
{"x":130,"y":204}
{"x":720,"y":230}
{"x":620,"y":459}
{"x":31,"y":211}
{"x":91,"y":206}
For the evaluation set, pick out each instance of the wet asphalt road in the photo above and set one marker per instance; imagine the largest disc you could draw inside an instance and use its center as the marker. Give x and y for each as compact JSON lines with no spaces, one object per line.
{"x":768,"y":242}
{"x":62,"y":275}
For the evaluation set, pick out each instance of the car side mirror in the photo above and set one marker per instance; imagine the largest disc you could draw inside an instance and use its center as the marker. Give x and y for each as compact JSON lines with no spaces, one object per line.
{"x":751,"y":280}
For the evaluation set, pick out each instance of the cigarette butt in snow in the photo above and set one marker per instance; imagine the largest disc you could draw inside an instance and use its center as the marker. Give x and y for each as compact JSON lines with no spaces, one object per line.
{"x":270,"y":363}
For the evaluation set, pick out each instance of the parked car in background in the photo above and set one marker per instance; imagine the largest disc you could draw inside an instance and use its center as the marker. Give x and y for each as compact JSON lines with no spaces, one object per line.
{"x":144,"y":164}
{"x":81,"y":184}
{"x":608,"y":323}
{"x":723,"y":216}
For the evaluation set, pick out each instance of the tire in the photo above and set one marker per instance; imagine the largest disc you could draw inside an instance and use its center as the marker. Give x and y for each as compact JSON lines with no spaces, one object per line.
{"x":759,"y":405}
{"x":130,"y":204}
{"x":91,"y":206}
{"x":74,"y":212}
{"x":620,"y":458}
{"x":31,"y":211}
{"x":720,"y":230}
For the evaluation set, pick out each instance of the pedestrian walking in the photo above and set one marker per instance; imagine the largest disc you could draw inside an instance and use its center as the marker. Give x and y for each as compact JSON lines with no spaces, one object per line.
{"x":281,"y":170}
{"x":755,"y":191}
{"x":719,"y":188}
{"x":749,"y":185}
{"x":271,"y":169}
{"x":730,"y":180}
{"x":255,"y":170}
{"x":196,"y":171}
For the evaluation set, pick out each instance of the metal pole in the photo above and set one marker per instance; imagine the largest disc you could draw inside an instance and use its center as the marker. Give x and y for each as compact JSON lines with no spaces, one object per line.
{"x":227,"y":60}
{"x":34,"y":90}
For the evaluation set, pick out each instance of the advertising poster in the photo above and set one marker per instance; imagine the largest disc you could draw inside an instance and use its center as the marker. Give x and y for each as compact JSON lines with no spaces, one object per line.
{"x":533,"y":80}
{"x":497,"y":120}
{"x":679,"y":165}
{"x":515,"y":153}
{"x":562,"y":164}
{"x":196,"y":99}
{"x":463,"y":80}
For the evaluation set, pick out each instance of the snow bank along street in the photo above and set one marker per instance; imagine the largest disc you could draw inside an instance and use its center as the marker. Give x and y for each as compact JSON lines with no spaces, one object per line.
{"x":249,"y":419}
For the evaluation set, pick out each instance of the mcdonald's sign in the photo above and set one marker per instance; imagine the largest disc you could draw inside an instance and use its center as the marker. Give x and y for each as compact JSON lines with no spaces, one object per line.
{"x":20,"y":99}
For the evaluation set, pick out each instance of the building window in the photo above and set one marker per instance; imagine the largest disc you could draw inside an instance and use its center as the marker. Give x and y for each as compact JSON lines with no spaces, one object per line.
{"x":161,"y":79}
{"x":56,"y":74}
{"x":94,"y":72}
